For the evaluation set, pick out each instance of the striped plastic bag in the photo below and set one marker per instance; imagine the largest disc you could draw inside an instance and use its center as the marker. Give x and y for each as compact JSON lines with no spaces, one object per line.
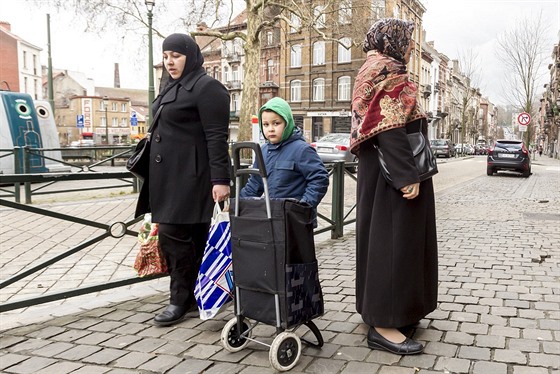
{"x":214,"y":284}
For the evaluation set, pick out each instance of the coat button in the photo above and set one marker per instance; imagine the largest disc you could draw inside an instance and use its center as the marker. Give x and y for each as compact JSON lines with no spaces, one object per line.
{"x":157,"y":158}
{"x":157,"y":138}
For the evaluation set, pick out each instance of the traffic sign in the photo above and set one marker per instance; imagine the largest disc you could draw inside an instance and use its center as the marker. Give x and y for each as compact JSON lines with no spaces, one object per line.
{"x":80,"y":121}
{"x":524,"y":119}
{"x":133,"y":121}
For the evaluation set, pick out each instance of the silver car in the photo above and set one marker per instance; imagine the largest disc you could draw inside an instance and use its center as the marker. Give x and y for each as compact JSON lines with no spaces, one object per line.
{"x":335,"y":147}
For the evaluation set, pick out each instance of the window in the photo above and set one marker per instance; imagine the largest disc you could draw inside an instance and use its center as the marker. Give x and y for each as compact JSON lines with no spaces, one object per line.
{"x":114,"y":106}
{"x":344,"y":54}
{"x":25,"y":59}
{"x":216,"y":73}
{"x":269,"y":69}
{"x":296,"y":23}
{"x":320,"y":17}
{"x":235,"y":73}
{"x":269,"y":38}
{"x":123,"y":107}
{"x":226,"y":74}
{"x":397,"y":12}
{"x":319,"y":89}
{"x":345,"y":12}
{"x":295,"y":91}
{"x":35,"y":64}
{"x":344,"y":88}
{"x":319,"y":53}
{"x":234,"y":102}
{"x":295,"y":56}
{"x":115,"y":122}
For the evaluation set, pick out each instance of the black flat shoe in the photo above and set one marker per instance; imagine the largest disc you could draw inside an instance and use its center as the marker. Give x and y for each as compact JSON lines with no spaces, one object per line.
{"x":408,"y":330}
{"x":407,"y":347}
{"x":171,"y":315}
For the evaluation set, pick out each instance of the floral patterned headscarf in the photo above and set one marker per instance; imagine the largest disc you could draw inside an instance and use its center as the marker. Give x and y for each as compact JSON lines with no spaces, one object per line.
{"x":389,"y":36}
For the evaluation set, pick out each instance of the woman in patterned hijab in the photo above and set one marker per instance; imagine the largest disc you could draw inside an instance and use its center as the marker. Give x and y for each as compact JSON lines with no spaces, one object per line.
{"x":396,"y":237}
{"x":389,"y":36}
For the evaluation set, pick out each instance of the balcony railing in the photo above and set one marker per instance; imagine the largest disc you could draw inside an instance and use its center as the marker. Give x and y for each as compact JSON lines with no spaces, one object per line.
{"x":233,"y":85}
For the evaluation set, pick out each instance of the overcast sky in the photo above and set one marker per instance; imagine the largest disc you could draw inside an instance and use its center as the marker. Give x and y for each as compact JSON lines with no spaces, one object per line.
{"x":454,"y":26}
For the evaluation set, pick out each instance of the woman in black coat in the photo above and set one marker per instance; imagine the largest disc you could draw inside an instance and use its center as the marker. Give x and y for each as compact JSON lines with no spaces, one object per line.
{"x":189,"y":167}
{"x":396,"y":243}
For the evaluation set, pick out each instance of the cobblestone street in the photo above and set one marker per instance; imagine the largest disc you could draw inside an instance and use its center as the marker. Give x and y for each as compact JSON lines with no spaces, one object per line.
{"x":498,"y":311}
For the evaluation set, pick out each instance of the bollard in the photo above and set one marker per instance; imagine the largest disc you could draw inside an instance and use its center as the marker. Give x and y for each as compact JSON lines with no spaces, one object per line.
{"x":26,"y":170}
{"x":337,"y":212}
{"x":18,"y":152}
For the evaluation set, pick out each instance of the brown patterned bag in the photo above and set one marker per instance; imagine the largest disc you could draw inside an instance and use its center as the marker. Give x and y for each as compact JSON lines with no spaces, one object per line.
{"x":150,"y":260}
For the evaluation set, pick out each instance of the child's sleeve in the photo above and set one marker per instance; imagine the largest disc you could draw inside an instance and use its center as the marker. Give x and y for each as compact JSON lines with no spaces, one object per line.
{"x":254,"y":186}
{"x":316,"y":176}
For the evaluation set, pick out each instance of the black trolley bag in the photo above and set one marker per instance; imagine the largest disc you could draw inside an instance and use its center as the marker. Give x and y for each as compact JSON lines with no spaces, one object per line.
{"x":275,"y":270}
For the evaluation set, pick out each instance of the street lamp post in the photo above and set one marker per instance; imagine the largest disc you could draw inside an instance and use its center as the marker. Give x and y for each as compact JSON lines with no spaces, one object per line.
{"x":105,"y":105}
{"x":151,"y":91}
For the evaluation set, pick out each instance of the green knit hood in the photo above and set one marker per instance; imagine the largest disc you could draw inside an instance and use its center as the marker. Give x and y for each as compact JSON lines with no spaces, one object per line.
{"x":282,"y":108}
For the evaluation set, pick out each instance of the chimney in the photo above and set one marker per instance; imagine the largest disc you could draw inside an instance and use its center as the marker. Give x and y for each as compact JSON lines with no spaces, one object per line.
{"x":202,"y":26}
{"x":6,"y":25}
{"x":117,"y":76}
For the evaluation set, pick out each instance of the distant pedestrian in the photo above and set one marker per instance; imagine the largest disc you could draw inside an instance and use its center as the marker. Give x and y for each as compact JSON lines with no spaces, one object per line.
{"x":396,"y":242}
{"x":540,"y":150}
{"x":189,"y":168}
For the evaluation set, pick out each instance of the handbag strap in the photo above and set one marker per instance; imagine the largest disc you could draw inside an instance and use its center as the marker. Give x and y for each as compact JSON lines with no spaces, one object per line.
{"x":153,"y":124}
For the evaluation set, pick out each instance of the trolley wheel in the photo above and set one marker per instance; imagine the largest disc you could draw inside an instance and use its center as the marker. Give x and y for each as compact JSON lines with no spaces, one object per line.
{"x":231,"y":340}
{"x":285,"y":351}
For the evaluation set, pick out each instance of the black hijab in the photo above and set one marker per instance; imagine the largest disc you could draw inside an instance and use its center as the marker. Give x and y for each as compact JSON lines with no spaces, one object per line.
{"x":185,"y":45}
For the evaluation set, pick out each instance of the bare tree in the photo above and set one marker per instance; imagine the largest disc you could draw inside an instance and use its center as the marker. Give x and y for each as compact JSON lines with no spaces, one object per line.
{"x":523,"y":52}
{"x":127,"y":16}
{"x":467,"y":74}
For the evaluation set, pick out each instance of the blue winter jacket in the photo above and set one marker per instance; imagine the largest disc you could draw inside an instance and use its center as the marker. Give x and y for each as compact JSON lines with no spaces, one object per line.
{"x":294,"y":171}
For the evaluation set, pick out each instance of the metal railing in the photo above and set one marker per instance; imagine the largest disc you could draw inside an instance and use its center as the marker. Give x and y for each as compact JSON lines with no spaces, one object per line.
{"x":335,"y":224}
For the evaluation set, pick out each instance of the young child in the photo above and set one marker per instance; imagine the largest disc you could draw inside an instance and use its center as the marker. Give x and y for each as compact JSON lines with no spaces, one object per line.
{"x":294,"y":168}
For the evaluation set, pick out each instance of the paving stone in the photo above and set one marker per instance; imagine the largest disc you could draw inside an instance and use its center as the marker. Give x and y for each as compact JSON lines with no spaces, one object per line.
{"x":10,"y":359}
{"x":323,"y":366}
{"x":202,"y":351}
{"x":133,"y":360}
{"x":485,"y":367}
{"x":78,"y":352}
{"x":233,"y":357}
{"x":352,"y":353}
{"x":524,"y":345}
{"x":546,"y":360}
{"x":382,"y":358}
{"x":63,"y":367}
{"x":474,"y":328}
{"x":529,"y":370}
{"x":459,"y":338}
{"x":190,"y":366}
{"x":91,"y":369}
{"x":422,"y":361}
{"x":537,"y":334}
{"x":31,"y":365}
{"x":46,"y":332}
{"x":474,"y":353}
{"x":29,"y":345}
{"x":551,"y":348}
{"x":174,"y":348}
{"x":490,"y":341}
{"x":161,"y":364}
{"x":508,"y":332}
{"x":440,"y":349}
{"x":95,"y":338}
{"x":510,"y":356}
{"x":445,"y":325}
{"x":71,"y":335}
{"x":452,"y":365}
{"x":354,"y":367}
{"x":53,"y":349}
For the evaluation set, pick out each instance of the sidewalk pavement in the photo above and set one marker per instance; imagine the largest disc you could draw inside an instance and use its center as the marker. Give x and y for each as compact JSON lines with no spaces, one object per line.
{"x":498,"y":312}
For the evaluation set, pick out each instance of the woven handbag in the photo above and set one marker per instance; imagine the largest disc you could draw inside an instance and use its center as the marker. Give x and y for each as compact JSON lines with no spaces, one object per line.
{"x":149,"y":260}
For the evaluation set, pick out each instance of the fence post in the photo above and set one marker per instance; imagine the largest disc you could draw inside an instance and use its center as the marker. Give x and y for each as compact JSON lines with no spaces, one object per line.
{"x":27,"y":170}
{"x":17,"y":170}
{"x":337,"y":213}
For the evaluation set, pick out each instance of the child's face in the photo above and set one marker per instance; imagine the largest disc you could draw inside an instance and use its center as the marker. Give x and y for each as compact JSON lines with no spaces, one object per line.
{"x":273,"y":126}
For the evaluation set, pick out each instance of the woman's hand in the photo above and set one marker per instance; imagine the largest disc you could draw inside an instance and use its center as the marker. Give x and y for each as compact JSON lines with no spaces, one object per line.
{"x":220,"y":192}
{"x":411,"y":191}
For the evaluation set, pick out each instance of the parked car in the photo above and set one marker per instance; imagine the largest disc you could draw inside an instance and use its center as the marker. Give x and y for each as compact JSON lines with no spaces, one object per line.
{"x":509,"y":155}
{"x":464,"y":148}
{"x":442,"y":147}
{"x":335,"y":147}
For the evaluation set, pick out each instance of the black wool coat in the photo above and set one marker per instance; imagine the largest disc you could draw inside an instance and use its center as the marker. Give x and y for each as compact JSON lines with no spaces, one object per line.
{"x":396,"y":238}
{"x":188,"y":151}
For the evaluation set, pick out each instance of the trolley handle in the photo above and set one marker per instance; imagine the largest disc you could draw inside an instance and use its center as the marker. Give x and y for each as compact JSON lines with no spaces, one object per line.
{"x":237,"y":170}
